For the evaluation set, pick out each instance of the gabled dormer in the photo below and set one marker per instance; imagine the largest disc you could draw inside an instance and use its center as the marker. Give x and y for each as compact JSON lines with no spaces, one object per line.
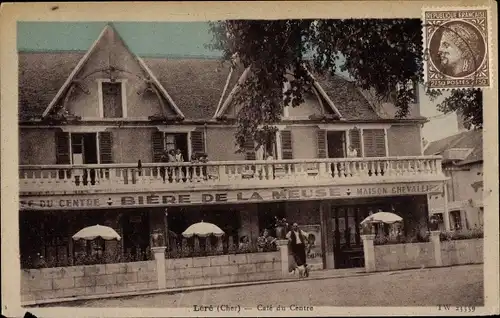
{"x":111,"y":83}
{"x":317,"y":104}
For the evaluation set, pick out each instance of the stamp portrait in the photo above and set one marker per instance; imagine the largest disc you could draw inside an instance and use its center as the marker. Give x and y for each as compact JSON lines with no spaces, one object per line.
{"x":456,"y":48}
{"x":258,"y":159}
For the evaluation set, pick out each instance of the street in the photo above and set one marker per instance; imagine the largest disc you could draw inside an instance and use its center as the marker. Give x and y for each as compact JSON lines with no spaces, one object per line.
{"x":460,"y":285}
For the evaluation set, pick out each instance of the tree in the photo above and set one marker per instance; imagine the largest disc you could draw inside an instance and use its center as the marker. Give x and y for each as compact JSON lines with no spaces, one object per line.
{"x":380,"y":55}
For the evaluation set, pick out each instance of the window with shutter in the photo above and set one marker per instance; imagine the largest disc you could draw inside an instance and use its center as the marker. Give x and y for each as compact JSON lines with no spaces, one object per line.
{"x":374,"y":142}
{"x":157,"y":141}
{"x":249,"y":147}
{"x":197,"y":141}
{"x":286,"y":144}
{"x":106,"y":147}
{"x":321,"y":143}
{"x":62,"y":148}
{"x":112,"y":102}
{"x":355,"y":140}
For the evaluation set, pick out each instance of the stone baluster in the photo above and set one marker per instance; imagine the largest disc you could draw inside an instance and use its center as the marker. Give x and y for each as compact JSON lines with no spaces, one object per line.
{"x":223,"y":172}
{"x":348,"y":170}
{"x":335,"y":171}
{"x":288,"y":171}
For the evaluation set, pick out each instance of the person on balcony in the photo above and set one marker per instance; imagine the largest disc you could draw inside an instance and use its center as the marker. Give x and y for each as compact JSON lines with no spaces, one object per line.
{"x":178,"y":156}
{"x":352,"y":152}
{"x":171,"y":155}
{"x":298,"y":241}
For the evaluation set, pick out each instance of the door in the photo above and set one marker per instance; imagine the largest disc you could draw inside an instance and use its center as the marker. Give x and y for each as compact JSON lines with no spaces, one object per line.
{"x":347,"y":244}
{"x":336,"y":144}
{"x":136,"y":235}
{"x":84,"y":151}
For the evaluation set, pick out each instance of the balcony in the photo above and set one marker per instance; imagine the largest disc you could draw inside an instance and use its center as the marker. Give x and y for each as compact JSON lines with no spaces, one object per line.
{"x":116,"y":178}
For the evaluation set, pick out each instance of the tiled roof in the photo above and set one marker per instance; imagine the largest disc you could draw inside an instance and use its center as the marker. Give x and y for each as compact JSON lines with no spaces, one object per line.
{"x":41,"y":75}
{"x":351,"y":104}
{"x":472,"y":139}
{"x":196,"y":85}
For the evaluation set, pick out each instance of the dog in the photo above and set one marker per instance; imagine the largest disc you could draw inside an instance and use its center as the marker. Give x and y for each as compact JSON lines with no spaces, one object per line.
{"x":302,"y":271}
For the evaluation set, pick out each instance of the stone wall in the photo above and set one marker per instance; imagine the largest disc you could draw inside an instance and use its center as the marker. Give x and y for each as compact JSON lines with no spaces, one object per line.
{"x":403,"y":256}
{"x":222,"y":269}
{"x":75,"y":281}
{"x":460,"y":252}
{"x":416,"y":255}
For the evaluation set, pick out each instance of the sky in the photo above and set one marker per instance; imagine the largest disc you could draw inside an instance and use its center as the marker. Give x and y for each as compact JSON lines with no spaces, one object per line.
{"x":169,"y":39}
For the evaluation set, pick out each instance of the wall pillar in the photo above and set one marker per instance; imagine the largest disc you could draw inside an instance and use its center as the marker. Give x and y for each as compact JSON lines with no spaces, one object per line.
{"x":159,"y":254}
{"x":327,"y":235}
{"x":446,"y":215}
{"x":436,"y":243}
{"x":283,"y":246}
{"x":369,"y":252}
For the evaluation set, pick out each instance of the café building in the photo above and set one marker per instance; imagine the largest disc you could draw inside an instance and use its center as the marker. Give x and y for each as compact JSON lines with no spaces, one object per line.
{"x":93,"y":127}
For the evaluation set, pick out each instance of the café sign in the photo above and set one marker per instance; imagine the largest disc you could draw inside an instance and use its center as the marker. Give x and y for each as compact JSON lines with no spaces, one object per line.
{"x":223,"y":197}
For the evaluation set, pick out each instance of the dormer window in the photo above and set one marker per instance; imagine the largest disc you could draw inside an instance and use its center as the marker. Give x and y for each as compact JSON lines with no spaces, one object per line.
{"x":112,"y":101}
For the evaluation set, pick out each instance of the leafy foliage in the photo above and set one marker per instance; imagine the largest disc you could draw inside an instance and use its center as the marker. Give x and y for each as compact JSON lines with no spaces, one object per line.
{"x":381,"y":55}
{"x":468,"y":234}
{"x":468,"y":104}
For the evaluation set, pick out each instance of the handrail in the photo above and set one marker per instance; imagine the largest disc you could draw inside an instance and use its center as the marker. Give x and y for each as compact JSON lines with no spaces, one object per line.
{"x":225,"y":163}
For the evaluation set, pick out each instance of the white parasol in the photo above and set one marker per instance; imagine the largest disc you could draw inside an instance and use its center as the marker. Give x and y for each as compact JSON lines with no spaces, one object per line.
{"x":382,"y":217}
{"x":203,"y":229}
{"x":95,"y":231}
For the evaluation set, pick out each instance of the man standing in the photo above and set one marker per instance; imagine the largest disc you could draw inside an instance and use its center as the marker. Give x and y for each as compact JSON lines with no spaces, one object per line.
{"x":298,"y":240}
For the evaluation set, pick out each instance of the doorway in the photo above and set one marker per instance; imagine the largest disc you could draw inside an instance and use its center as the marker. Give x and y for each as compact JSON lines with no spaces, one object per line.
{"x":336,"y":144}
{"x":84,"y":148}
{"x":136,"y":235}
{"x":177,"y":141}
{"x":347,"y":244}
{"x":84,"y":151}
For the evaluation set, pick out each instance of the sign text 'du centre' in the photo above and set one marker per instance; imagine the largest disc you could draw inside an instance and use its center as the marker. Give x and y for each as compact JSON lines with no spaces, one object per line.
{"x":221,"y":197}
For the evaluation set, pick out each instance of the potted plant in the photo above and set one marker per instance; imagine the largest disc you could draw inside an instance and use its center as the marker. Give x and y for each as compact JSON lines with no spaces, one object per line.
{"x":280,"y":226}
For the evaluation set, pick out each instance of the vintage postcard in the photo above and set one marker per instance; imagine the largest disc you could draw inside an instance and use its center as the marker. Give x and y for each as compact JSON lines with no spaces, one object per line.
{"x":249,"y":159}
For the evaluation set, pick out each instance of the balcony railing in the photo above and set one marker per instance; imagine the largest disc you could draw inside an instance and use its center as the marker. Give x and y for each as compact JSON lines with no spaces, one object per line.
{"x":169,"y":176}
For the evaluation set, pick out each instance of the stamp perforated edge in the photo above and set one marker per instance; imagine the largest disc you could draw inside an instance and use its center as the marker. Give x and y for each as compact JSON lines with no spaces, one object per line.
{"x":489,"y":46}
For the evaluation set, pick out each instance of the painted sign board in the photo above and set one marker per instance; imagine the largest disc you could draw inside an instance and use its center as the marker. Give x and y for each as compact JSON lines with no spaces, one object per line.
{"x":180,"y":198}
{"x":314,"y":252}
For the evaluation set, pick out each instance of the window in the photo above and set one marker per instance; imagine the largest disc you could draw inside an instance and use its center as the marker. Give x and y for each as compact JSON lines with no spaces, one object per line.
{"x":83,"y":148}
{"x":336,"y":144}
{"x":189,"y":143}
{"x":455,"y":220}
{"x":112,"y":100}
{"x":374,"y":143}
{"x":174,"y":141}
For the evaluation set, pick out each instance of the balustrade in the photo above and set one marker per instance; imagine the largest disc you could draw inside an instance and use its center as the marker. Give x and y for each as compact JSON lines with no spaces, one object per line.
{"x":164,"y":176}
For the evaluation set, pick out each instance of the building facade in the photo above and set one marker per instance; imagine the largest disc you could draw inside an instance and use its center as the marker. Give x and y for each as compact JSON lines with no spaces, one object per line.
{"x":460,"y":206}
{"x":94,"y":125}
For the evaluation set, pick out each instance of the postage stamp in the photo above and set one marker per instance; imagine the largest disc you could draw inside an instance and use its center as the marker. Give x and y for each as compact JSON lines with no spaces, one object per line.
{"x":456,"y":52}
{"x":172,"y":160}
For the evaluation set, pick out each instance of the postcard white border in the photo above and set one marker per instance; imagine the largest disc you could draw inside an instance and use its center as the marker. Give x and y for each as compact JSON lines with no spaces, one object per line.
{"x":199,"y":11}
